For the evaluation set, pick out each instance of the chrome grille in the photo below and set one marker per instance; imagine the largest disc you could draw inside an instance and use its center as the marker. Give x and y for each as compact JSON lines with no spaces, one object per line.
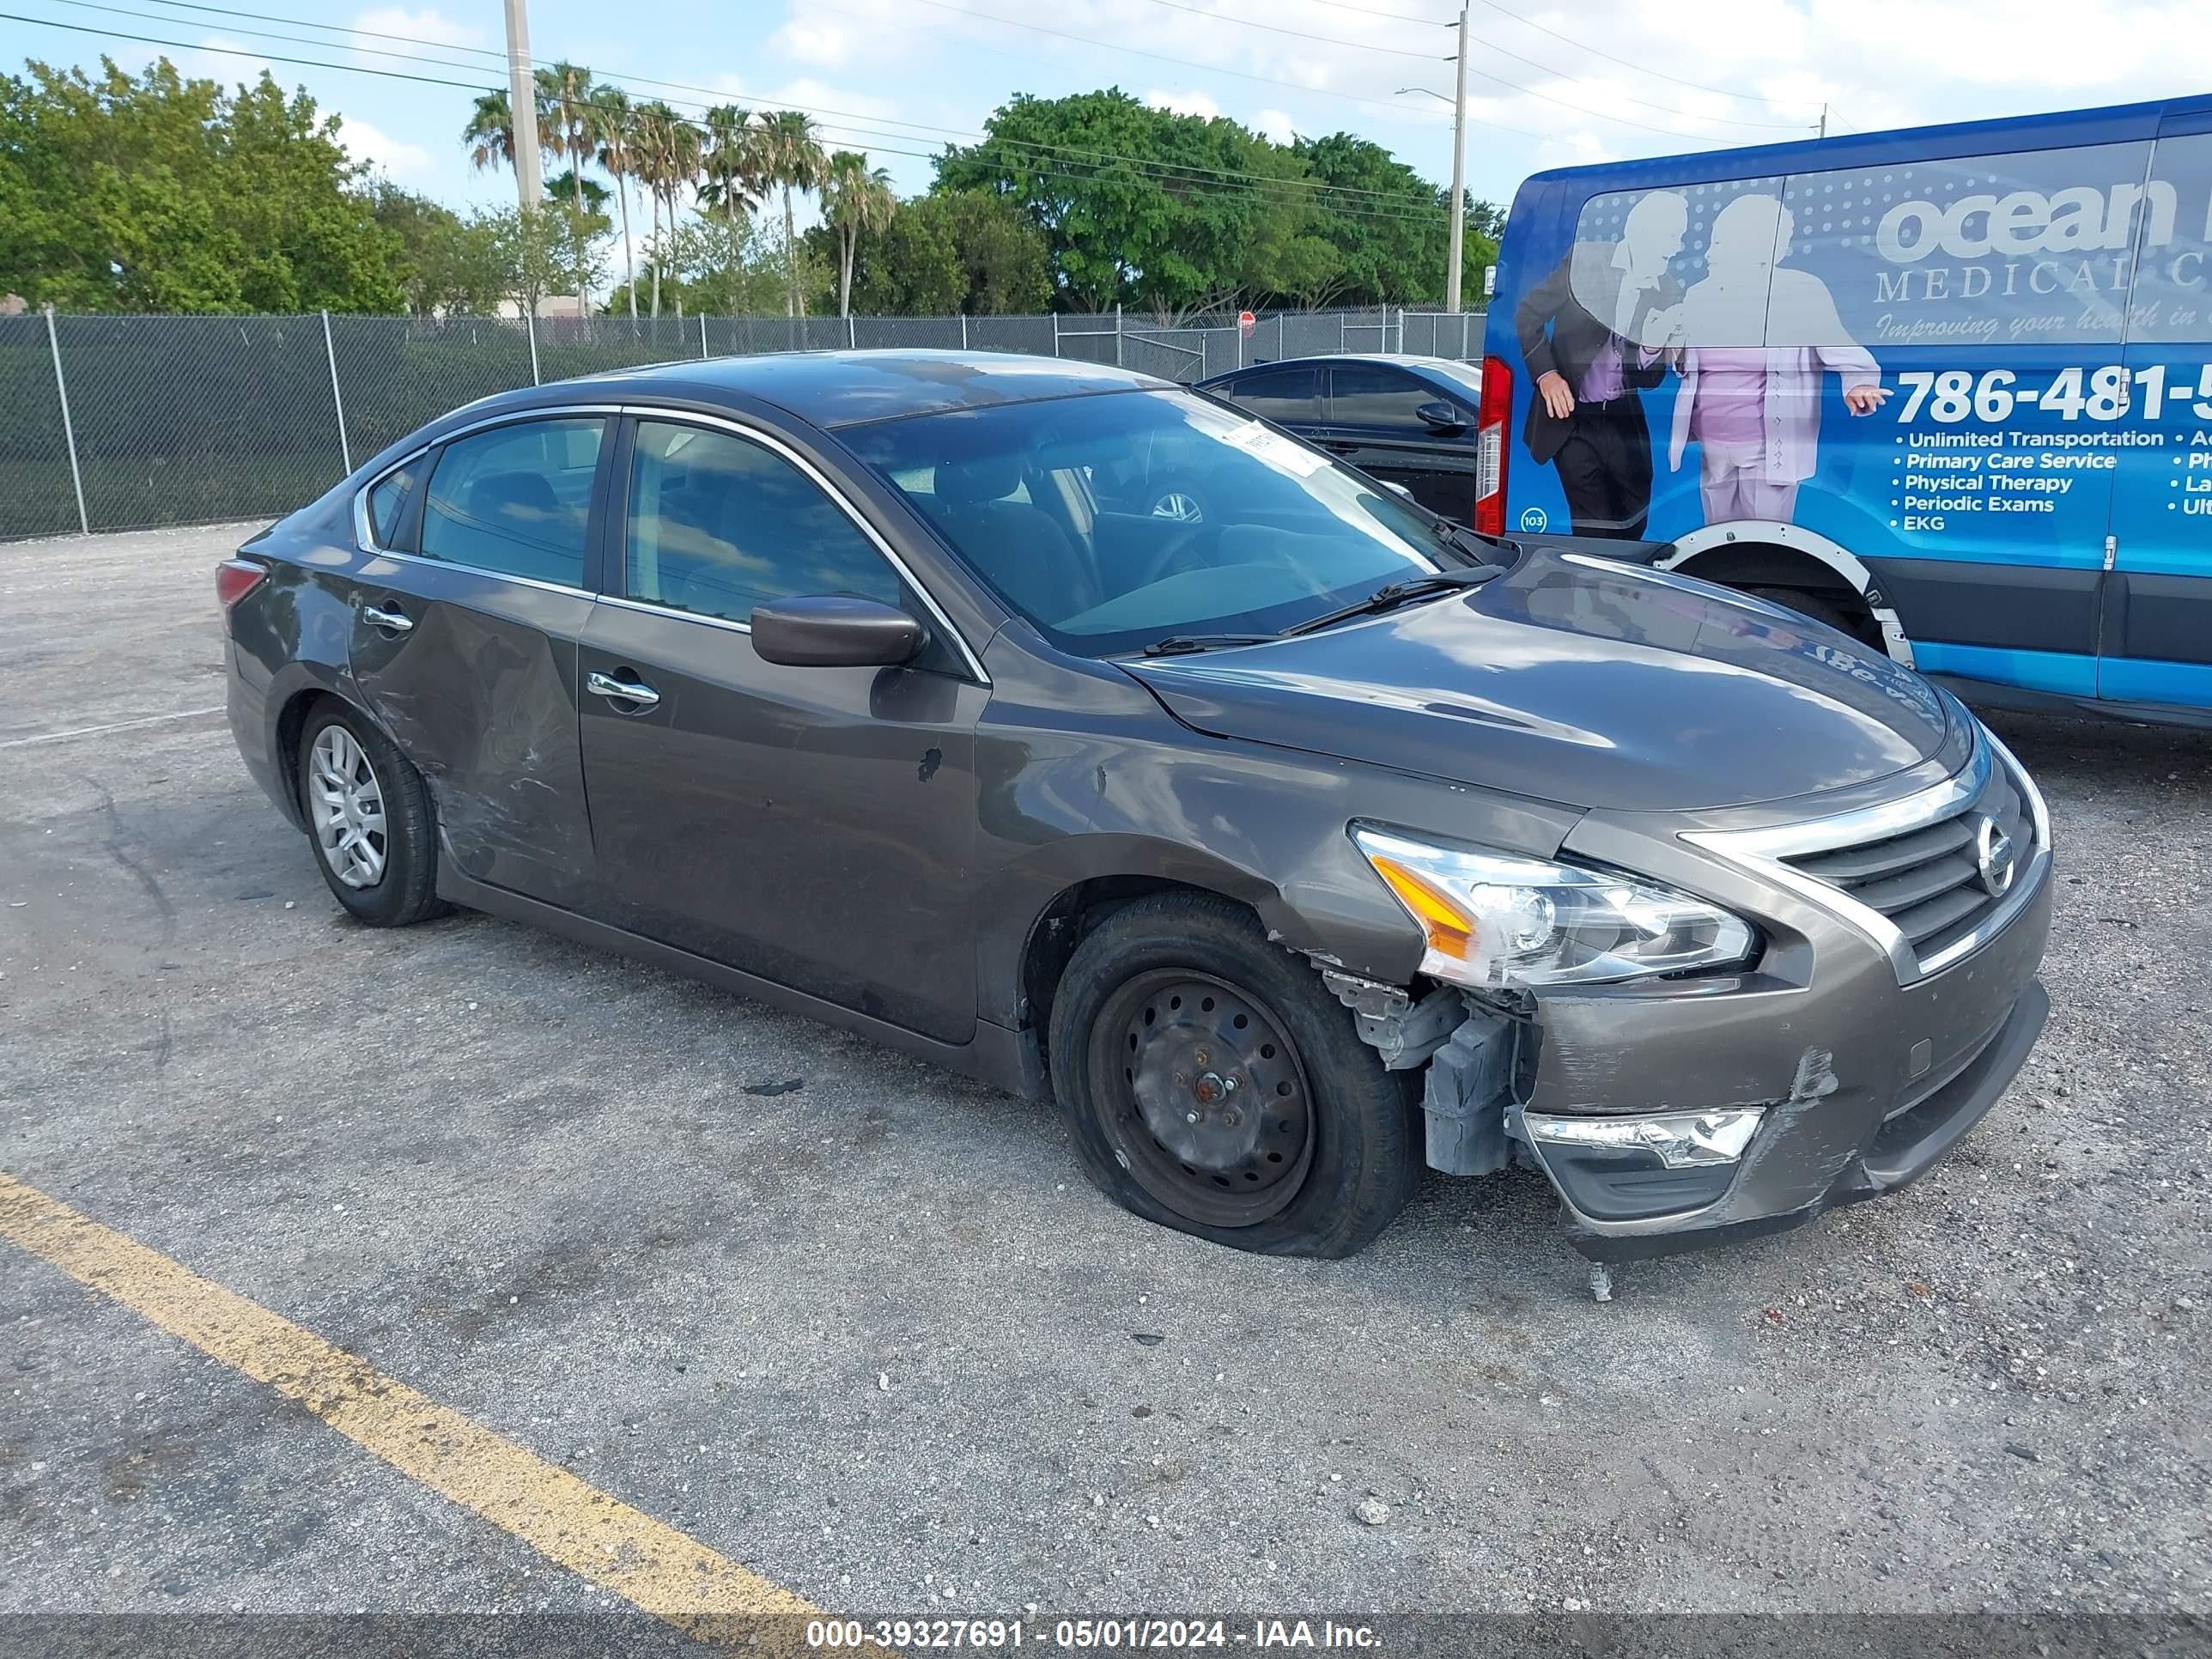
{"x":1927,"y":880}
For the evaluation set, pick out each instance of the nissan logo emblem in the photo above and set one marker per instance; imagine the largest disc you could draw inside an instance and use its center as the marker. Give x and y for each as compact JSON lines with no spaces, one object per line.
{"x":1995,"y":859}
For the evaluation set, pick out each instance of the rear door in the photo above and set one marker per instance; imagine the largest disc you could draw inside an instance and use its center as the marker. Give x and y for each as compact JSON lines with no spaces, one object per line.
{"x":1374,"y":423}
{"x":464,"y":640}
{"x":2156,"y":638}
{"x":810,"y":826}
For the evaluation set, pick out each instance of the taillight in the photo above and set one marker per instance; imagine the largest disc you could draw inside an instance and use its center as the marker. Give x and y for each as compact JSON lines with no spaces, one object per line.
{"x":235,"y":578}
{"x":1494,"y":414}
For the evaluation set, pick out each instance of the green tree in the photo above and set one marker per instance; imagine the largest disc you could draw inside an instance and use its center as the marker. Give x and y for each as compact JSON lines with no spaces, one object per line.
{"x":729,"y":158}
{"x":1387,"y":224}
{"x":947,"y":252}
{"x":613,"y":128}
{"x":856,"y":201}
{"x":790,"y":158}
{"x":448,"y":267}
{"x":533,"y":254}
{"x":159,"y":193}
{"x":490,"y":133}
{"x":1145,"y":207}
{"x":564,"y":131}
{"x":668,"y":150}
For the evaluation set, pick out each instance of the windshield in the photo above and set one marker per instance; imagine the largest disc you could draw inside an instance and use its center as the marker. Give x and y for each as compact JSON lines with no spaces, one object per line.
{"x":1115,"y":521}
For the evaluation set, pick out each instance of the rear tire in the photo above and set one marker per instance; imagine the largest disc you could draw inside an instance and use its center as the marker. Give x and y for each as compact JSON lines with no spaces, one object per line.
{"x":370,"y":819}
{"x":1290,"y":1138}
{"x":1823,"y":608}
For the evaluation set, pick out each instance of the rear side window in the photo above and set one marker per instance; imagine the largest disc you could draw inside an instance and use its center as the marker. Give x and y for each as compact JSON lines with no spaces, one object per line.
{"x":515,"y":501}
{"x":717,"y":524}
{"x":1287,"y":395}
{"x":1377,"y":397}
{"x":389,"y":498}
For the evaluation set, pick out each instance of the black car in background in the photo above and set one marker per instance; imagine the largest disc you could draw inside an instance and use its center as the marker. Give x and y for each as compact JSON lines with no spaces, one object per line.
{"x":1407,"y":421}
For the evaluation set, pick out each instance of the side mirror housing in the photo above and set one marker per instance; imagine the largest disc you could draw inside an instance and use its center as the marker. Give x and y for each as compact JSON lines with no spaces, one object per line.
{"x":836,"y":630}
{"x":1442,"y":416}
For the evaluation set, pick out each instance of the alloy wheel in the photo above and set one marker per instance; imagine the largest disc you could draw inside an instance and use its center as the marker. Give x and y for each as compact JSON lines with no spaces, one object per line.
{"x":346,"y":805}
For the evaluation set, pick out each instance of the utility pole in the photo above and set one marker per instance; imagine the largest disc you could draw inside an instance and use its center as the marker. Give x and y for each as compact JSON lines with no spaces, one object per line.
{"x":522,"y":105}
{"x":1824,"y":120}
{"x":1459,"y":173}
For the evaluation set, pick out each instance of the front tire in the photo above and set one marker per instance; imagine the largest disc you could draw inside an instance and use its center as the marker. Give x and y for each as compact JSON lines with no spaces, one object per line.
{"x":370,"y":819}
{"x":1823,"y":608}
{"x":1211,"y":1083}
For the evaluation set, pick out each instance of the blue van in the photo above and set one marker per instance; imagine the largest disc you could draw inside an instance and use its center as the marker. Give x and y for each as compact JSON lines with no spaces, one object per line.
{"x":1948,"y":389}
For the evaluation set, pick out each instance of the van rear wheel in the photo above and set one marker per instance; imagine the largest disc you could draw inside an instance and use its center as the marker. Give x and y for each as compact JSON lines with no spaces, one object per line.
{"x":1211,"y":1083}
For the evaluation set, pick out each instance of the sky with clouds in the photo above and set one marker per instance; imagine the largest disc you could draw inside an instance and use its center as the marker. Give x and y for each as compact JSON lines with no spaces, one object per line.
{"x":1550,"y":82}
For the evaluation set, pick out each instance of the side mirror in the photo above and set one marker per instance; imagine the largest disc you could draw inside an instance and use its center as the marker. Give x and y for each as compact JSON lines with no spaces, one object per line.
{"x":1442,"y":416}
{"x":835,"y":631}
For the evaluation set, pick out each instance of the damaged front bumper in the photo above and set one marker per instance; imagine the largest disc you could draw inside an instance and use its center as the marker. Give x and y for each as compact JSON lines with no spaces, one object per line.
{"x":1673,"y":1116}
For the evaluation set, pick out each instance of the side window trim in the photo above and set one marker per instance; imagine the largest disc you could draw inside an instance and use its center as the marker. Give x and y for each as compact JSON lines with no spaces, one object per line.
{"x":613,"y":585}
{"x":364,"y":524}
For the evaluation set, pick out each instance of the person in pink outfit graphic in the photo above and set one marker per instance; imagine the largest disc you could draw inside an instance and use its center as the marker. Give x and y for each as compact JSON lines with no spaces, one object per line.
{"x":1757,"y":337}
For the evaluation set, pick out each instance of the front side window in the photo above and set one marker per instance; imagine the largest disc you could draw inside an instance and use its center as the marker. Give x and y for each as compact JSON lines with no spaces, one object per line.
{"x":389,"y":499}
{"x":1286,"y":395}
{"x":516,"y":500}
{"x":1266,"y":531}
{"x":717,"y":524}
{"x":1373,"y":396}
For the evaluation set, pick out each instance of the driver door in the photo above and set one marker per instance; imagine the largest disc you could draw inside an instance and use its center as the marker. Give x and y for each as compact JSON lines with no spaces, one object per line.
{"x":1374,"y":424}
{"x":811,"y":826}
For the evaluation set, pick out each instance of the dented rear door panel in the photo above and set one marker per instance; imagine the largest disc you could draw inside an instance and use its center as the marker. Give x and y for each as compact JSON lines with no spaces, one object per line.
{"x":480,"y":694}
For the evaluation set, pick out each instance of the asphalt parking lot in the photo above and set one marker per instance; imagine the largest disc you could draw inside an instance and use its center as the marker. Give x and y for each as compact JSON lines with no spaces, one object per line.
{"x":861,"y":1327}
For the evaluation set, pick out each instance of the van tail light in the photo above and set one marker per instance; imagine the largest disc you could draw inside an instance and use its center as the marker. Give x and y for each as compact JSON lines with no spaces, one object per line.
{"x":235,"y":578}
{"x":1494,"y":415}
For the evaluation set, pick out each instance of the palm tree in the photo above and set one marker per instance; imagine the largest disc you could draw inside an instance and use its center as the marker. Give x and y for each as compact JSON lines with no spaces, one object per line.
{"x":732,"y":184}
{"x":564,"y":130}
{"x":667,"y":165}
{"x":489,"y":134}
{"x":789,"y":157}
{"x":855,"y":199}
{"x":613,"y":125}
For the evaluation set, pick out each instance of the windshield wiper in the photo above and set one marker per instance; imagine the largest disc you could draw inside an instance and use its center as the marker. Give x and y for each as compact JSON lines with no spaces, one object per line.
{"x":1178,"y":645}
{"x":1390,"y":595}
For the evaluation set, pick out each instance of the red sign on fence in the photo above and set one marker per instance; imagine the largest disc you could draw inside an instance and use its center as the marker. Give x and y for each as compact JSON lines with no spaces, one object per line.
{"x":1247,"y":322}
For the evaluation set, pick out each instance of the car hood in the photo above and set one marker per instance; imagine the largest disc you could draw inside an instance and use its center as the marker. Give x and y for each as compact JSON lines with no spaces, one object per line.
{"x":1601,"y":686}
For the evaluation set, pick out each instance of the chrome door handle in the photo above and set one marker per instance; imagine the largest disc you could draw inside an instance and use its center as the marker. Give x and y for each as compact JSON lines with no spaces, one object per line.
{"x":377,"y":616}
{"x":637,"y":691}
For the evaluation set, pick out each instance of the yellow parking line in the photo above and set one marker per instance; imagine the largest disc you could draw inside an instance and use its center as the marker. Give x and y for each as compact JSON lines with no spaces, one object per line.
{"x":646,"y":1562}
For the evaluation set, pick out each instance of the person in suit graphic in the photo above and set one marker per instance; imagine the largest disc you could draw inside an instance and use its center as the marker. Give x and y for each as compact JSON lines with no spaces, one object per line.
{"x":1594,"y":334}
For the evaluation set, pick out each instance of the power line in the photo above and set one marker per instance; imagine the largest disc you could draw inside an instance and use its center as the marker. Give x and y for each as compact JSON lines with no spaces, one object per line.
{"x":626,"y":79}
{"x":330,"y":29}
{"x":1400,"y":51}
{"x":1182,"y":64}
{"x":1145,"y":168}
{"x":1597,"y":51}
{"x":1138,"y":51}
{"x":1302,"y":34}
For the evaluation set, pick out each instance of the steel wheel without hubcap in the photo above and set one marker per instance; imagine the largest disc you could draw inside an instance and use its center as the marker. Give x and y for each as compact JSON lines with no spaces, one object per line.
{"x":1212,"y":1108}
{"x":347,"y":806}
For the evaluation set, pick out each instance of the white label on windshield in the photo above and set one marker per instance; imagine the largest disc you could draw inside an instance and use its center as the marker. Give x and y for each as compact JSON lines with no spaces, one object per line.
{"x":1276,"y":450}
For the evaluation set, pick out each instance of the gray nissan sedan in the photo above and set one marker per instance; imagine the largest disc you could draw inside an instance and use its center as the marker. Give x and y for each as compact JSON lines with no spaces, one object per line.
{"x":1288,"y":840}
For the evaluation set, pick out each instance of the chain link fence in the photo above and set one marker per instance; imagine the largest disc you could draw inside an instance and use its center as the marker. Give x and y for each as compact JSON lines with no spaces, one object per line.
{"x":111,"y":422}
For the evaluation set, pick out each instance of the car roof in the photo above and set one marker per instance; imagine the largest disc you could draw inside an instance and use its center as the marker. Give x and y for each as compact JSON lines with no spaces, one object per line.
{"x":841,"y":388}
{"x":1396,"y":359}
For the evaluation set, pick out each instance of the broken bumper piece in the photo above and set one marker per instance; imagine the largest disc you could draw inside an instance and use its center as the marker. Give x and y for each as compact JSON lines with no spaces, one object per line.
{"x":1621,"y":1169}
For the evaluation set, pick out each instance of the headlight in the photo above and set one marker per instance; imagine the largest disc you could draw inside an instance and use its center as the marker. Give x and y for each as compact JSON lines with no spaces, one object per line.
{"x":1491,"y":920}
